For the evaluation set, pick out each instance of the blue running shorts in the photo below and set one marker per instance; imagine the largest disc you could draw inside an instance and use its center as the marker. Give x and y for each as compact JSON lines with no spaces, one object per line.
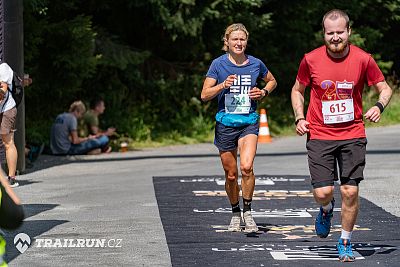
{"x":226,"y":137}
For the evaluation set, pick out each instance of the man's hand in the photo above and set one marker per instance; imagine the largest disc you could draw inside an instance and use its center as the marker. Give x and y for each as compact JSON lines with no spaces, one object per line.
{"x":110,"y":131}
{"x":302,"y":127}
{"x":373,"y":114}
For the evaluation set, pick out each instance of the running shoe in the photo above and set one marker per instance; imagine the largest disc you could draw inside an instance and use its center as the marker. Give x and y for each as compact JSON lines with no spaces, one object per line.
{"x":12,"y":181}
{"x":345,"y":250}
{"x":234,"y":226}
{"x":250,"y":225}
{"x":323,"y":221}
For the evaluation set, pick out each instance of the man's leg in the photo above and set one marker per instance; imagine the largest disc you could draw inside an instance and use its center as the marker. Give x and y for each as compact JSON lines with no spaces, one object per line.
{"x":351,"y":163}
{"x":247,"y":148}
{"x":103,"y":141}
{"x":349,"y":206}
{"x":322,"y":164}
{"x":323,"y":195}
{"x":85,"y":147}
{"x":349,"y":216}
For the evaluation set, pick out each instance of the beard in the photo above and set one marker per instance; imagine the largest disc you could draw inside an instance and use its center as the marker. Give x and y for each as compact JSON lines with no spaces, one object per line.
{"x":336,"y":48}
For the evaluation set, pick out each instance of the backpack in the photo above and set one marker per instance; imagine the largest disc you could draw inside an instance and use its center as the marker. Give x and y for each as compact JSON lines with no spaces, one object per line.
{"x":17,"y":91}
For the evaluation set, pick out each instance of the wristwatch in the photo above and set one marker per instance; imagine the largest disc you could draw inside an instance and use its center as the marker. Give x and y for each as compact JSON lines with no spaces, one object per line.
{"x":266,"y":92}
{"x":297,"y":121}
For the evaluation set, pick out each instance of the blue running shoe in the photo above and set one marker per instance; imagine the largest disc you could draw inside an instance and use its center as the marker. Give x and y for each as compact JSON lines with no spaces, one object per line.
{"x":323,"y":221}
{"x":345,"y":250}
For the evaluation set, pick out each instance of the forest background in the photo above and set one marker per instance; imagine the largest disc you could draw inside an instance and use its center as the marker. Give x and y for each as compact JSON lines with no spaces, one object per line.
{"x":148,"y":59}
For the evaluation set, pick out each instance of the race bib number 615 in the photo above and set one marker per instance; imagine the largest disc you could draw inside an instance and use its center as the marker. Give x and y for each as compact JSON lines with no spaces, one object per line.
{"x":338,"y":111}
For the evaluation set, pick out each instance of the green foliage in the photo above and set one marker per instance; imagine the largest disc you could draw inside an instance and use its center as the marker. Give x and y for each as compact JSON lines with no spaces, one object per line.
{"x":148,"y":59}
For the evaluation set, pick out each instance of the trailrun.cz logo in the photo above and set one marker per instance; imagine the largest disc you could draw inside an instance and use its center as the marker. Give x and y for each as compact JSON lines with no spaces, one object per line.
{"x":22,"y":242}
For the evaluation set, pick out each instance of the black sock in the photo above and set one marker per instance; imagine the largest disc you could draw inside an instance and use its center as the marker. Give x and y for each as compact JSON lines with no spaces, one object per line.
{"x":236,"y":207}
{"x":246,"y":205}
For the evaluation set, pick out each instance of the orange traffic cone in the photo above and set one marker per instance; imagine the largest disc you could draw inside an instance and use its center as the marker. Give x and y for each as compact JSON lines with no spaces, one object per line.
{"x":263,"y":134}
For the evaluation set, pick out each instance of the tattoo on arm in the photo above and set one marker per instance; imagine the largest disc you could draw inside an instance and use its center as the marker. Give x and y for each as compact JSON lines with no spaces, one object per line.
{"x":298,"y":106}
{"x":384,"y":99}
{"x":385,"y":93}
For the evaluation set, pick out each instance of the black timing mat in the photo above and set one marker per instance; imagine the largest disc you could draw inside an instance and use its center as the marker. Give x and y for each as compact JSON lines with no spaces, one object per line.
{"x":195,"y":213}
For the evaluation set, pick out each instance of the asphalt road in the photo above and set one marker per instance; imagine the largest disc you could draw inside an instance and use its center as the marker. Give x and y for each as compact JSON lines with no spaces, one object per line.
{"x":110,"y":199}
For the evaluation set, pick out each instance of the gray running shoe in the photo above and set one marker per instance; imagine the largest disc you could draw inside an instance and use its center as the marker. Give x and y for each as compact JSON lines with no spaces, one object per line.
{"x":234,"y":226}
{"x":251,"y":226}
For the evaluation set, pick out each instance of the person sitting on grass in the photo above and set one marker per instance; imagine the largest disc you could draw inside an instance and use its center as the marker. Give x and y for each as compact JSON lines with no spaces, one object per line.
{"x":89,"y":123}
{"x":64,"y":139}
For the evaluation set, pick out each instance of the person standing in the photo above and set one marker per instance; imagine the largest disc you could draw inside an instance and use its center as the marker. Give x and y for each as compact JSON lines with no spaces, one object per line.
{"x":232,"y":78}
{"x":337,"y":73}
{"x":64,"y":139}
{"x":8,"y":115}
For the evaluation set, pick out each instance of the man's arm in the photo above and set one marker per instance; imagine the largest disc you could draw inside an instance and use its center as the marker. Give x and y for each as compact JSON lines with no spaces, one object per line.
{"x":95,"y":130}
{"x":75,"y":139}
{"x":385,"y":94}
{"x":297,"y":97}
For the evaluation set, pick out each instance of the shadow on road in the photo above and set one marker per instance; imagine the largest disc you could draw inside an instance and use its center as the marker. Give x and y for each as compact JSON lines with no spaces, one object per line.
{"x":33,"y":228}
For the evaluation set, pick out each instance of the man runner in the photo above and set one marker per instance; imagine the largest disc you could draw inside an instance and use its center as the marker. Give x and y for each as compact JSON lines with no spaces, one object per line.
{"x":337,"y":73}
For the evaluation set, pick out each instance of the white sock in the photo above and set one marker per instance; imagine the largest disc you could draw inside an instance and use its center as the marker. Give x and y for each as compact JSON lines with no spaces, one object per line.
{"x":327,"y":207}
{"x":346,"y":235}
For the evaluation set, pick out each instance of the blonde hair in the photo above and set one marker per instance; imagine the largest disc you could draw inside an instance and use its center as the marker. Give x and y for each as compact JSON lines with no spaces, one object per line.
{"x":231,"y":28}
{"x":77,"y":106}
{"x":334,"y":14}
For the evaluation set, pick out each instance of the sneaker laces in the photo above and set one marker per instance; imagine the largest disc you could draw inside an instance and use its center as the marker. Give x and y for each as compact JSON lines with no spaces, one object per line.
{"x":348,"y":249}
{"x":345,"y":249}
{"x":235,"y":222}
{"x":248,"y":219}
{"x":251,"y":225}
{"x":326,"y":216}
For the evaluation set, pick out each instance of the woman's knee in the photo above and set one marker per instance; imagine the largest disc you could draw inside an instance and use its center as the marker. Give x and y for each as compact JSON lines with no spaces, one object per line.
{"x":231,"y":175}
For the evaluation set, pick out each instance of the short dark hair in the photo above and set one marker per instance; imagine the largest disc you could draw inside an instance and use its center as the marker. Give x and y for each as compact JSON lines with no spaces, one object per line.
{"x":96,"y":101}
{"x":335,"y":14}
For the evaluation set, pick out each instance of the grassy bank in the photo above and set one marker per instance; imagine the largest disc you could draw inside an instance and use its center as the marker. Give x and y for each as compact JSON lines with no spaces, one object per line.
{"x":391,"y":116}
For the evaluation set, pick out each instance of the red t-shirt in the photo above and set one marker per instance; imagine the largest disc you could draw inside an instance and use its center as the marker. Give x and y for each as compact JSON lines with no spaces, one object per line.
{"x":337,"y":84}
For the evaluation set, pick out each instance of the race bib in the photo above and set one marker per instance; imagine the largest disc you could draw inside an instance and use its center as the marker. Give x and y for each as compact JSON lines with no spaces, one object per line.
{"x":236,"y":103}
{"x":338,"y":111}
